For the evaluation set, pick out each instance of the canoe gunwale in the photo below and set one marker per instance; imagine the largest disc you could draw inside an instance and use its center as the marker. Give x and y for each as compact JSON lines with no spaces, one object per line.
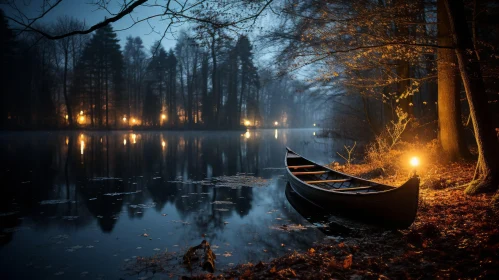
{"x":343,"y":192}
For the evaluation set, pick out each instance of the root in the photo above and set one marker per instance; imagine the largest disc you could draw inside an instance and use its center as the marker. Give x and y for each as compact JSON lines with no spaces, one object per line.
{"x":483,"y":185}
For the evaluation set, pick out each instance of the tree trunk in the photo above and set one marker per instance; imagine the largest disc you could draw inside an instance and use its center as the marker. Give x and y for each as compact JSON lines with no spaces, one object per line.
{"x":474,"y":86}
{"x":449,"y":108}
{"x":65,"y":90}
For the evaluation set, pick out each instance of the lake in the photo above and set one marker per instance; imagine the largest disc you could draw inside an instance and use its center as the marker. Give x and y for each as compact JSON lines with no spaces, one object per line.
{"x":87,"y":204}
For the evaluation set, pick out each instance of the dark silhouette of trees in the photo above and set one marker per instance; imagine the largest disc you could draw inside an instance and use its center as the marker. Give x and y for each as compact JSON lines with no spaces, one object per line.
{"x":101,"y":74}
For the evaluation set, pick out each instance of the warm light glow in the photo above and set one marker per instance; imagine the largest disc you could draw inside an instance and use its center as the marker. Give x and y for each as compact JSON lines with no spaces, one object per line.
{"x":133,"y":120}
{"x":134,"y":138}
{"x":315,"y":124}
{"x":414,"y":161}
{"x":101,"y":139}
{"x":82,"y":146}
{"x":81,"y":136}
{"x":163,"y":116}
{"x":82,"y":119}
{"x":275,"y":134}
{"x":67,"y":140}
{"x":163,"y":144}
{"x":124,"y":142}
{"x":67,"y":117}
{"x":247,"y":135}
{"x":247,"y":123}
{"x":124,"y":119}
{"x":276,"y":123}
{"x":81,"y":112}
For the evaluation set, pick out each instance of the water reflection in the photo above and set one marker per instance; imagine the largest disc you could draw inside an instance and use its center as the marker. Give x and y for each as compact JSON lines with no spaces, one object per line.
{"x":62,"y":191}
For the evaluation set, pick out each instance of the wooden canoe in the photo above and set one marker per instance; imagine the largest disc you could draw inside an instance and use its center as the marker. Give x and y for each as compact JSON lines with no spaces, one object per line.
{"x":335,"y":191}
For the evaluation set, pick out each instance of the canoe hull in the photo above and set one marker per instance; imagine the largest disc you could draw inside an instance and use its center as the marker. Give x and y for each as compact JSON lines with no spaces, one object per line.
{"x":396,"y":207}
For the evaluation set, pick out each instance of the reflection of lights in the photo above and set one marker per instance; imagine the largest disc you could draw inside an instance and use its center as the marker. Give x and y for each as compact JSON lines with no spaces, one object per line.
{"x":124,"y":142}
{"x":247,"y":123}
{"x":134,"y":138}
{"x":275,"y":134}
{"x":82,"y":146}
{"x":163,"y":117}
{"x":247,"y":134}
{"x":276,"y":123}
{"x":314,"y":133}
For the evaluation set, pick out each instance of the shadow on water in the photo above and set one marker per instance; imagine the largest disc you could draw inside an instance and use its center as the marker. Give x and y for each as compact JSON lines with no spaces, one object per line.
{"x":320,"y":218}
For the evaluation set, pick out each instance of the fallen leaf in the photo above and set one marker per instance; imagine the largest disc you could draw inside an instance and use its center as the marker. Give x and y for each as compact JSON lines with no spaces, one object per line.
{"x":347,"y":263}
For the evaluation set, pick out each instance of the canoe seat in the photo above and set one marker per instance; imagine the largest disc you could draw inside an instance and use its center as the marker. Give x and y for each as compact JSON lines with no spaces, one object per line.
{"x":293,"y":156}
{"x":352,"y":189}
{"x":328,"y":181}
{"x":309,"y":172}
{"x":301,"y":166}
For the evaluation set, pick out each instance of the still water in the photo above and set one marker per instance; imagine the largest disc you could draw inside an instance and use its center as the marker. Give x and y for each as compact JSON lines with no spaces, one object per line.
{"x":84,"y":204}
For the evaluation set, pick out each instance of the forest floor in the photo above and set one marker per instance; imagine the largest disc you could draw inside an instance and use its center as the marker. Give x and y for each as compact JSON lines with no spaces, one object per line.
{"x":454,"y":236}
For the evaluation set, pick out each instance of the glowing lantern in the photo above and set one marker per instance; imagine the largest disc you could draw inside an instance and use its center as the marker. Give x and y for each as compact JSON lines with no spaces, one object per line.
{"x":82,"y":118}
{"x":163,"y":117}
{"x":81,"y":112}
{"x":124,"y":119}
{"x":247,"y":123}
{"x":163,"y":144}
{"x":414,"y":162}
{"x":66,"y":117}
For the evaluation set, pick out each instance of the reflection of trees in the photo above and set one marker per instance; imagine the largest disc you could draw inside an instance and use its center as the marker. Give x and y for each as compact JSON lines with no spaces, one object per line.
{"x":186,"y":154}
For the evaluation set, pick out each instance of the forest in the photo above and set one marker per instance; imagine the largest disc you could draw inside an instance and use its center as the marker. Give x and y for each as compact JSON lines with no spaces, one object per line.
{"x":209,"y":80}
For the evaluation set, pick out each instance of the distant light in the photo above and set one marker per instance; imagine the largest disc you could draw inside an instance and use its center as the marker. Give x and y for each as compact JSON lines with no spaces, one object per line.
{"x":81,"y":112}
{"x":133,"y":120}
{"x":163,"y":143}
{"x":81,"y":136}
{"x":276,"y":123}
{"x":314,"y":133}
{"x":124,"y":119}
{"x":82,"y":119}
{"x":414,"y":161}
{"x":67,"y":140}
{"x":163,"y":116}
{"x":247,"y":123}
{"x":101,"y":139}
{"x":315,"y":124}
{"x":67,"y":117}
{"x":124,"y":142}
